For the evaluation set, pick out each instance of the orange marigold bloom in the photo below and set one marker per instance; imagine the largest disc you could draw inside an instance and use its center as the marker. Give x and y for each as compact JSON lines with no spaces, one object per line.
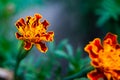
{"x":105,"y":58}
{"x":32,"y":31}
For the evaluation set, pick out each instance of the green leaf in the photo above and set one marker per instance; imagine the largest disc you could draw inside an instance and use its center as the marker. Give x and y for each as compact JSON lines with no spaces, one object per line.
{"x":30,"y":76}
{"x":51,"y":46}
{"x":81,"y":79}
{"x":81,"y":73}
{"x":108,"y":9}
{"x":62,"y":44}
{"x":69,"y":50}
{"x":103,"y":19}
{"x":78,"y":54}
{"x":85,"y":62}
{"x":61,"y":54}
{"x":71,"y":67}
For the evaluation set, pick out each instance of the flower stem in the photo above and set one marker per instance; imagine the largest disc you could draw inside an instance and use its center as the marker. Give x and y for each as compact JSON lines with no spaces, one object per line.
{"x":21,"y":55}
{"x":16,"y":69}
{"x":79,"y":74}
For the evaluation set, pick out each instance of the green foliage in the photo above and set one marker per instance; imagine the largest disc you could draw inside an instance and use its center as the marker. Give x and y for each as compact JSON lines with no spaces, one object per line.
{"x":43,"y":65}
{"x":75,"y":60}
{"x":8,"y":43}
{"x":7,"y":52}
{"x":46,"y":66}
{"x":108,"y":9}
{"x":108,"y":14}
{"x":81,"y":79}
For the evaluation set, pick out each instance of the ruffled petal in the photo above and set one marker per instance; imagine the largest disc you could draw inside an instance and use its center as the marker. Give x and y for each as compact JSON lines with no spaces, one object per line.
{"x":89,"y":49}
{"x":28,"y":20}
{"x":35,"y":21}
{"x":18,"y":36}
{"x":117,"y":46}
{"x":37,"y":16}
{"x":46,"y":36}
{"x":108,"y":75}
{"x":45,"y":24}
{"x":116,"y":74}
{"x":20,"y":23}
{"x":97,"y":43}
{"x":96,"y":75}
{"x":41,"y":47}
{"x":27,"y":45}
{"x":94,"y":47}
{"x":49,"y":36}
{"x":95,"y":63}
{"x":110,"y":39}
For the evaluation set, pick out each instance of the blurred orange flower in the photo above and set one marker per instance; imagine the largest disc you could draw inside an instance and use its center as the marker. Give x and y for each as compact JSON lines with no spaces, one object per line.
{"x":105,"y":58}
{"x":32,"y":31}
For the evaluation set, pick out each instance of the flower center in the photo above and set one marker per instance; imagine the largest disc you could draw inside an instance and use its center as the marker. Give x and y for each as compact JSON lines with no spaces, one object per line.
{"x":110,"y":58}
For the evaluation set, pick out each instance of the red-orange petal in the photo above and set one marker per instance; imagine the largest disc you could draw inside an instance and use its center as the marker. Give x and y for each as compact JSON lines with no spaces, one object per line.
{"x":112,"y":37}
{"x":117,"y":74}
{"x":45,"y":24}
{"x":96,"y":75}
{"x":36,"y":22}
{"x":20,"y":23}
{"x":97,"y":43}
{"x":38,"y":16}
{"x":88,"y":49}
{"x":27,"y":45}
{"x":95,"y":63}
{"x":41,"y":47}
{"x":28,"y":19}
{"x":49,"y":36}
{"x":18,"y":36}
{"x":117,"y":46}
{"x":93,"y":48}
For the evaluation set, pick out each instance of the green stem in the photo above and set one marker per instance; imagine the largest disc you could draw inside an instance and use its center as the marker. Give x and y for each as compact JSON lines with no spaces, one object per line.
{"x":16,"y":69}
{"x":79,"y":74}
{"x":18,"y":61}
{"x":21,"y":55}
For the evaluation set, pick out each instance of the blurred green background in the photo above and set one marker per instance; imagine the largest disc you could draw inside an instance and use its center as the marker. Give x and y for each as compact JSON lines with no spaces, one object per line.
{"x":75,"y":23}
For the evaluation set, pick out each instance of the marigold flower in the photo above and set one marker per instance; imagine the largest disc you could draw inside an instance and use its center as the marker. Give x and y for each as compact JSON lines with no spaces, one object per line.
{"x":105,"y":58}
{"x":32,"y":31}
